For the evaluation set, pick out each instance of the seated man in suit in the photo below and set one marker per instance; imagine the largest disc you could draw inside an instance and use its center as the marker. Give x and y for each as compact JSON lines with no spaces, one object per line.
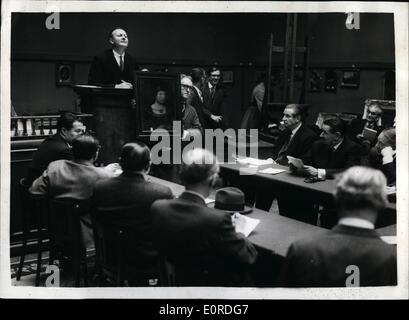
{"x":295,"y":141}
{"x":56,"y":147}
{"x":201,"y":242}
{"x":297,"y":138}
{"x":114,"y":67}
{"x":214,"y":98}
{"x":334,"y":152}
{"x":371,"y":121}
{"x":133,"y":194}
{"x":383,"y":155}
{"x":74,"y":179}
{"x":352,"y":253}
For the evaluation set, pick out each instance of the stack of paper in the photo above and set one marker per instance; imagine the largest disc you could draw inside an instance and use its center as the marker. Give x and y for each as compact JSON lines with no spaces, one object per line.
{"x":389,"y":239}
{"x":247,"y":225}
{"x":254,"y":161}
{"x":272,"y":171}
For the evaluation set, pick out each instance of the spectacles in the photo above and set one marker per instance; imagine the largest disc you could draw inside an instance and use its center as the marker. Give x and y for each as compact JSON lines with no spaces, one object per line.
{"x":186,"y":87}
{"x":374,"y":113}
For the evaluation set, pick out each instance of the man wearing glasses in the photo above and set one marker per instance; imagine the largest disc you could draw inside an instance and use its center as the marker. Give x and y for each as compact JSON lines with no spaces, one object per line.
{"x":359,"y":128}
{"x":190,"y":120}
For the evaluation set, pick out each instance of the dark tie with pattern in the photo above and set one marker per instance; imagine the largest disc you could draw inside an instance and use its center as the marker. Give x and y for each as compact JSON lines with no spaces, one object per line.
{"x":212,"y":90}
{"x":283,"y":149}
{"x":121,"y":63}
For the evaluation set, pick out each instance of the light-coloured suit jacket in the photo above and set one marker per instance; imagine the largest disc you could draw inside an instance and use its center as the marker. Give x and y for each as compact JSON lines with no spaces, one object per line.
{"x":69,"y":179}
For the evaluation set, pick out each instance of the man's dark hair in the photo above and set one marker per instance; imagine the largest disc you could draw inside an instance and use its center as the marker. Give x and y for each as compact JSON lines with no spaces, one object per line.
{"x":300,"y":110}
{"x":84,"y":147}
{"x":66,"y":120}
{"x":213,"y":69}
{"x":197,"y":74}
{"x":135,"y":156}
{"x":336,"y":125}
{"x":112,"y":30}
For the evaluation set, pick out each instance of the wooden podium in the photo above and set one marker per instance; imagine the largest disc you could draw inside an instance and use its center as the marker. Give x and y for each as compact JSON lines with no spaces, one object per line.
{"x":114,"y":120}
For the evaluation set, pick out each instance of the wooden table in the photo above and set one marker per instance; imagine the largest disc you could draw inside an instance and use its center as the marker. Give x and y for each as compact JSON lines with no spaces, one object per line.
{"x":322,"y":192}
{"x":387,"y":231}
{"x":274,"y":233}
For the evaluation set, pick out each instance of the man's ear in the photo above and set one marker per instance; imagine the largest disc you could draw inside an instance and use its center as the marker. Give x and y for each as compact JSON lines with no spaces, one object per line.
{"x":212,"y":181}
{"x":148,"y":167}
{"x":111,"y":41}
{"x":63,"y":132}
{"x":338,"y":135}
{"x":96,"y":155}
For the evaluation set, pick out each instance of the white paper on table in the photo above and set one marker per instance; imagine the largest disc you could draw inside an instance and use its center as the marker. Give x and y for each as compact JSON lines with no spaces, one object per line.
{"x":272,"y":171}
{"x":390,"y":239}
{"x":296,"y":162}
{"x":250,"y":224}
{"x":208,"y":200}
{"x":255,"y":162}
{"x":390,"y":190}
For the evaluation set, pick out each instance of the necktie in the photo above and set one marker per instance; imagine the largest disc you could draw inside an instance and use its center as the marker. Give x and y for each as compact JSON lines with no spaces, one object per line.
{"x":281,"y":153}
{"x":121,"y":63}
{"x":212,"y":92}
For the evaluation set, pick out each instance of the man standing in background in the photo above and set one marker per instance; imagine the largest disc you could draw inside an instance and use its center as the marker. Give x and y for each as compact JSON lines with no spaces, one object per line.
{"x":214,"y":98}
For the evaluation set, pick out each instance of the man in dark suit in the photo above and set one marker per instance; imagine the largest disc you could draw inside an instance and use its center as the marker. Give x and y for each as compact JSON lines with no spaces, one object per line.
{"x":197,"y":100}
{"x":297,"y":138}
{"x":56,"y":147}
{"x":201,"y":242}
{"x":295,"y":141}
{"x":114,"y":67}
{"x":372,"y":121}
{"x":74,"y":179}
{"x":383,"y":155}
{"x":132,"y":190}
{"x":352,"y":253}
{"x":215,"y":98}
{"x":190,"y":120}
{"x":334,"y":153}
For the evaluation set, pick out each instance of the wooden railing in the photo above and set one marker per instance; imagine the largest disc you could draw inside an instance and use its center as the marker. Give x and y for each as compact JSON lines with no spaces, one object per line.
{"x":38,"y":126}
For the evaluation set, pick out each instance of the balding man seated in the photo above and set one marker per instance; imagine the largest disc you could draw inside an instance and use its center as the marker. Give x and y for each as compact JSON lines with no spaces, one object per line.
{"x":74,"y":179}
{"x":132,"y":190}
{"x":201,"y":242}
{"x":352,"y":253}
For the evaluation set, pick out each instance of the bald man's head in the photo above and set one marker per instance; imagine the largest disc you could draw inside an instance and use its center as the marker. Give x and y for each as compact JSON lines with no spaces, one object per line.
{"x":135,"y":156}
{"x":198,"y":166}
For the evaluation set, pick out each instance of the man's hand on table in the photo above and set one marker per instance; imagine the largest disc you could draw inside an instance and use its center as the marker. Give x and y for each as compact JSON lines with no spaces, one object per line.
{"x":311,"y":171}
{"x":239,"y":223}
{"x":123,"y":85}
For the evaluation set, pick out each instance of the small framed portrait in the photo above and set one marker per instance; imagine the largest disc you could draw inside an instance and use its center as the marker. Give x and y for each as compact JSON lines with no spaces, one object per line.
{"x":316,"y":81}
{"x":350,"y":79}
{"x":64,"y":74}
{"x":228,"y":76}
{"x":157,"y":98}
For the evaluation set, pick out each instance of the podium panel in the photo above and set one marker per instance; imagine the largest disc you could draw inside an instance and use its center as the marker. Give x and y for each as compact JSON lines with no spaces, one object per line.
{"x":114,"y":121}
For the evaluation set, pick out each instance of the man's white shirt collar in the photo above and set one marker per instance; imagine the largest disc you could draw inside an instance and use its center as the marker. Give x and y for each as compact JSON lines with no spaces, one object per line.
{"x":117,"y":57}
{"x":196,"y":193}
{"x":294,"y":131}
{"x":356,"y":222}
{"x":338,"y":144}
{"x":199,"y":92}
